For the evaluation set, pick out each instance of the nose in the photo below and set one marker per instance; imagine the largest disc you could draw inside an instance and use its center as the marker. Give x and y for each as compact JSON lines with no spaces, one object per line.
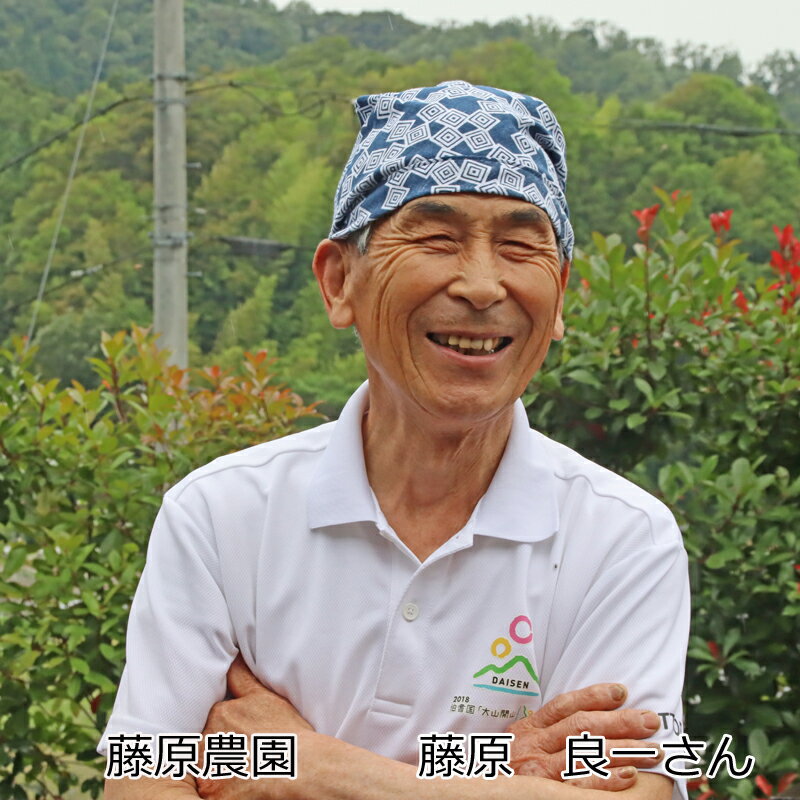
{"x":478,"y":281}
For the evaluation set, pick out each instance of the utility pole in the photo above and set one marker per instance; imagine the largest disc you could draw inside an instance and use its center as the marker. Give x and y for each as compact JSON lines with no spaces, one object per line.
{"x":170,"y":238}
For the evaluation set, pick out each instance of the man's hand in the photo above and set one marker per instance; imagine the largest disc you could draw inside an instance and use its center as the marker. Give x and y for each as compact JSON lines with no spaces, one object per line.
{"x":252,"y":709}
{"x":539,"y":746}
{"x":538,"y":750}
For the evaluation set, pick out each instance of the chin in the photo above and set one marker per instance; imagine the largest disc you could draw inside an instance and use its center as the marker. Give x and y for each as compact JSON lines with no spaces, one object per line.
{"x":468,"y":406}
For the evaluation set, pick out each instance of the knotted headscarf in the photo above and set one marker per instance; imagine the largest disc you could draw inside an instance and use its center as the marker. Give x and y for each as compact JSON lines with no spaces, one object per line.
{"x":454,"y":137}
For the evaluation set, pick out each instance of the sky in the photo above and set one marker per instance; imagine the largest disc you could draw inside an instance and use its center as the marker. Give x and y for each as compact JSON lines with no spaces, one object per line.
{"x":754,"y":29}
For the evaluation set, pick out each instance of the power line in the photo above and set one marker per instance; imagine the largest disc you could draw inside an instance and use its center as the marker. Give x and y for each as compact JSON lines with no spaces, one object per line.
{"x":242,"y":86}
{"x":32,"y":151}
{"x":268,"y":249}
{"x":72,"y":170}
{"x":78,"y":275}
{"x":699,"y":127}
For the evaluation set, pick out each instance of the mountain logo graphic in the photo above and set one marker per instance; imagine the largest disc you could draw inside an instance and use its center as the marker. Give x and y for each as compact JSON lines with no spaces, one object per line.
{"x":515,"y":677}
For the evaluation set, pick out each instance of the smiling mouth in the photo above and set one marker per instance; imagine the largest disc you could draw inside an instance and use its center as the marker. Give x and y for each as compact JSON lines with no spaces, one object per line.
{"x":468,"y":346}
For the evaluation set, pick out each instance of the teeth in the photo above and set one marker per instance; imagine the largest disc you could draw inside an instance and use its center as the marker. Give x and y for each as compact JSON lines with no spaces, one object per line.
{"x":467,"y":346}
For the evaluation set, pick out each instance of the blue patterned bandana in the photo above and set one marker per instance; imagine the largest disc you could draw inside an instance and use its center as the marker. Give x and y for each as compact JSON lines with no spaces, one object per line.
{"x":454,"y":137}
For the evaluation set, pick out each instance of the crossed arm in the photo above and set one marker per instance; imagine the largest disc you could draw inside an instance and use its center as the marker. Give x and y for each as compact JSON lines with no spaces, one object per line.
{"x":330,"y":769}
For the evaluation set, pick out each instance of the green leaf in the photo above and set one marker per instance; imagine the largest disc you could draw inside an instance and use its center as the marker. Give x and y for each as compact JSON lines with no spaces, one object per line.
{"x":644,"y":387}
{"x":731,"y":639}
{"x":635,"y":420}
{"x":658,"y":370}
{"x":109,"y":652}
{"x":722,"y":557}
{"x":585,"y":377}
{"x":758,"y":745}
{"x":16,"y":558}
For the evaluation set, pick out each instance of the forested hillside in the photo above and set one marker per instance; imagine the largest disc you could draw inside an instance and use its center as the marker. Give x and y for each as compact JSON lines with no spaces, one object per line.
{"x":680,"y":367}
{"x":270,"y":126}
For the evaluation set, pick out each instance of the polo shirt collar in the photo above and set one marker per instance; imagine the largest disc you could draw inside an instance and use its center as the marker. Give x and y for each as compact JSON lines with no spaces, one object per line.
{"x":520,"y":504}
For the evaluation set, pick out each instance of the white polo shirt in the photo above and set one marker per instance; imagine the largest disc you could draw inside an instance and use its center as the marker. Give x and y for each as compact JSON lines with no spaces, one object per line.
{"x":564,"y":576}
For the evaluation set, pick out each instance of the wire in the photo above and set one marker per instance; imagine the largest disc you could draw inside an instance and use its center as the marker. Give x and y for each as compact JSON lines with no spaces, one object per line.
{"x":77,"y":275}
{"x":18,"y":159}
{"x":700,"y":127}
{"x":122,"y":101}
{"x":72,"y":170}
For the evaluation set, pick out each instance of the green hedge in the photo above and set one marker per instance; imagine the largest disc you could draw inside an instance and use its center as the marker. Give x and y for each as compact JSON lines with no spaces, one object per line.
{"x":681,"y":369}
{"x":81,"y":478}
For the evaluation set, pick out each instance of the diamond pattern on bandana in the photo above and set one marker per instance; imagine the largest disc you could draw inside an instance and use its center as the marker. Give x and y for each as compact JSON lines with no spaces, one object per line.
{"x":447,"y":137}
{"x":384,"y":106}
{"x":361,"y":218}
{"x":418,"y":134}
{"x":523,"y":143}
{"x":396,"y":177}
{"x":502,"y":154}
{"x":493,"y":106}
{"x":396,"y":196}
{"x":451,"y":138}
{"x":453,"y":118}
{"x":483,"y":120}
{"x":475,"y":172}
{"x":375,"y":159}
{"x":400,"y":130}
{"x":446,"y":172}
{"x":370,"y":138}
{"x":511,"y":179}
{"x":394,"y":152}
{"x":478,"y":140}
{"x":431,"y":112}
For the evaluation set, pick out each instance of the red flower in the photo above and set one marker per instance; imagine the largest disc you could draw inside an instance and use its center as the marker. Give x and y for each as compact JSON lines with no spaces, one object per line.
{"x":785,"y":236}
{"x":721,"y":220}
{"x":741,"y":301}
{"x":634,"y":342}
{"x":675,"y":195}
{"x":764,"y":785}
{"x":781,"y":264}
{"x":713,"y":648}
{"x":786,"y":781}
{"x":646,"y":217}
{"x":585,"y":283}
{"x":700,"y":322}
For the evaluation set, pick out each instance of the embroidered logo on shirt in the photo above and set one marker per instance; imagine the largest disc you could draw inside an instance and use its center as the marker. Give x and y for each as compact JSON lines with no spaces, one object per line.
{"x":515,"y":675}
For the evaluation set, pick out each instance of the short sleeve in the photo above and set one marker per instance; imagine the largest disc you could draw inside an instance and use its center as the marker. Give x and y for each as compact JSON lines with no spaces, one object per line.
{"x":632,"y":627}
{"x":180,"y":641}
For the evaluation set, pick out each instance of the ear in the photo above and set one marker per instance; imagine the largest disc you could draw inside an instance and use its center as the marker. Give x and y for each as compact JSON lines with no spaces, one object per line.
{"x":331,"y":265}
{"x":558,"y":325}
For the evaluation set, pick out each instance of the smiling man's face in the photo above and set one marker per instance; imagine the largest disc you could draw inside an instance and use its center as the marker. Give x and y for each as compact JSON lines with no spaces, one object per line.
{"x":456,"y":302}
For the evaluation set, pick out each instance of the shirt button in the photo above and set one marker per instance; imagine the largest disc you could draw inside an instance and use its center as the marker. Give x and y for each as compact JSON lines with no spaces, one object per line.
{"x":410,"y":611}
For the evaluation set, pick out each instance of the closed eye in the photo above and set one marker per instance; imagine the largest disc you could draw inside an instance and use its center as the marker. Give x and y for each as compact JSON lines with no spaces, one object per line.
{"x":440,"y":243}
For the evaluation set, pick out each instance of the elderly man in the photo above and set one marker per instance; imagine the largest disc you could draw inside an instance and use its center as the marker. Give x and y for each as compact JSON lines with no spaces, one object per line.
{"x":427,"y":563}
